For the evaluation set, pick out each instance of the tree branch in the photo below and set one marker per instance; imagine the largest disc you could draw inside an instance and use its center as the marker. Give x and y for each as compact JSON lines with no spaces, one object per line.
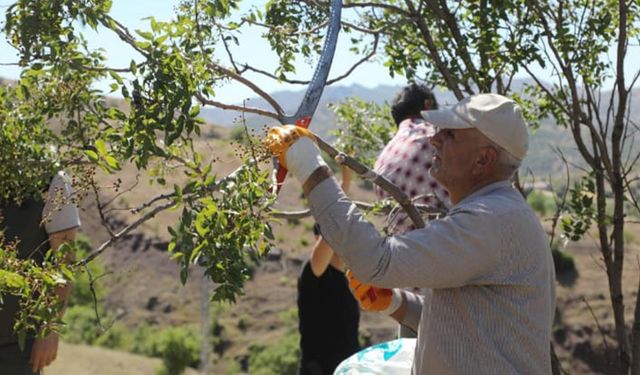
{"x":118,"y":236}
{"x":452,"y":82}
{"x":386,"y":208}
{"x":376,"y":178}
{"x":235,"y":76}
{"x":238,"y":108}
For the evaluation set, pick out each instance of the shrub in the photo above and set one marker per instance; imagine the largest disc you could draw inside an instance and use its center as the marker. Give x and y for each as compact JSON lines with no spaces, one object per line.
{"x":541,"y":202}
{"x":281,"y":358}
{"x":81,"y":326}
{"x":239,"y":135}
{"x":81,"y":293}
{"x":114,"y":337}
{"x":562,"y":261}
{"x":178,"y":347}
{"x":244,"y":322}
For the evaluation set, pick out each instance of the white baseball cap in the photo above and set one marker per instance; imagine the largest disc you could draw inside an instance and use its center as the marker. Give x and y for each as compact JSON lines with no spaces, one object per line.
{"x":497,"y":117}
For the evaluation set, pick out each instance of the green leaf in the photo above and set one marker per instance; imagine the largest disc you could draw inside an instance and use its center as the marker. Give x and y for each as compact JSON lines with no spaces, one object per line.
{"x":145,"y":34}
{"x":184,"y":274}
{"x":11,"y":280}
{"x":172,"y":247}
{"x":116,"y":77}
{"x":92,"y":155}
{"x":112,"y":162}
{"x":101,"y":147}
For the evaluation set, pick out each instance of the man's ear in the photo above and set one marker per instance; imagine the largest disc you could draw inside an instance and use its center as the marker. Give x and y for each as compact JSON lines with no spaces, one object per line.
{"x":487,"y":158}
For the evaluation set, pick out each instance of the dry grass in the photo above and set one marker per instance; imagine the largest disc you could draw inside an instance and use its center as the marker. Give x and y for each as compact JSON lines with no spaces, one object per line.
{"x":85,"y":360}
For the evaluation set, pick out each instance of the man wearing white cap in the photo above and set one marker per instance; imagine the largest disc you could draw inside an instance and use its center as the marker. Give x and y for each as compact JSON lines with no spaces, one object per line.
{"x":488,"y":263}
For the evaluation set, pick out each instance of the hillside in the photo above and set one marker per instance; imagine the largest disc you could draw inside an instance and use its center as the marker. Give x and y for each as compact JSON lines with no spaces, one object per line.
{"x":144,"y":287}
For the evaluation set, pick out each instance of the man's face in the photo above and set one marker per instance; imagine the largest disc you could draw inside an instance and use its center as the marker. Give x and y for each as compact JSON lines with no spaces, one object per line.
{"x":456,"y":152}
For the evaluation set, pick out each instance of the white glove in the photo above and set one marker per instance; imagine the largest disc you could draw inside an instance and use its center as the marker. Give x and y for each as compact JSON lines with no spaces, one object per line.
{"x":303,"y":157}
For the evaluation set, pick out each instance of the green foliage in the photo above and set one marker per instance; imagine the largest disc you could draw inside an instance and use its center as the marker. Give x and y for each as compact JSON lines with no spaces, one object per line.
{"x":286,"y":18}
{"x":81,"y":325}
{"x":84,"y":283}
{"x":244,"y":323}
{"x":178,"y":348}
{"x":54,"y":117}
{"x":233,"y":368}
{"x":364,"y":129}
{"x":293,"y":222}
{"x":41,"y":30}
{"x":26,"y":147}
{"x":215,"y":231}
{"x":581,"y":210}
{"x":218,"y":336}
{"x":541,"y":202}
{"x":562,"y":261}
{"x":280,"y":358}
{"x":289,"y":317}
{"x":239,"y":134}
{"x":35,"y":285}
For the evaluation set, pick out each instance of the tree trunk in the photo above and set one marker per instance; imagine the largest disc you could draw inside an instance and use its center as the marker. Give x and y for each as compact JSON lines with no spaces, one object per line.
{"x":635,"y":338}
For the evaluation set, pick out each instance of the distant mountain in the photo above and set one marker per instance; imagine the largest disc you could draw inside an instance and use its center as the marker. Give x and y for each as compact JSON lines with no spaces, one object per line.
{"x":324,"y":120}
{"x":542,"y":160}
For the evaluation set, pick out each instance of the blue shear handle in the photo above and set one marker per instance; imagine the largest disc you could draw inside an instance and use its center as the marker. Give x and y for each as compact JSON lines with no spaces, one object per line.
{"x":312,"y":96}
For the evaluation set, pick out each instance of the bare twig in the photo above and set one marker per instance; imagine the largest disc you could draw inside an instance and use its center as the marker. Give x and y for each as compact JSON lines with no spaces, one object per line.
{"x":118,"y":236}
{"x":120,"y":193}
{"x":205,"y":101}
{"x":237,"y":77}
{"x":604,"y":337}
{"x":562,"y":201}
{"x":94,"y":294}
{"x":103,"y":219}
{"x":329,"y":82}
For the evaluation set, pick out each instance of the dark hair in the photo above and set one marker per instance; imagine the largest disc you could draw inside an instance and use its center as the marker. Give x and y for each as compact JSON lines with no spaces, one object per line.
{"x":410,"y":101}
{"x":316,"y":229}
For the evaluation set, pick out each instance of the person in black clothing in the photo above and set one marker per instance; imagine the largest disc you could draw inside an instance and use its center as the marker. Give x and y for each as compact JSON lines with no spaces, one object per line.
{"x":328,"y":313}
{"x":37,"y":224}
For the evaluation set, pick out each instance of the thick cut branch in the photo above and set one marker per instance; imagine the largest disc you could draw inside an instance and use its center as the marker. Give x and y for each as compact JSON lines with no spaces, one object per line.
{"x":386,"y":208}
{"x":376,"y":178}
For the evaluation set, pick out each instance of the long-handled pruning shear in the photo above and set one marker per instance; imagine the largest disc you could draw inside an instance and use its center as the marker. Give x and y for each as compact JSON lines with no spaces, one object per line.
{"x":311,"y":98}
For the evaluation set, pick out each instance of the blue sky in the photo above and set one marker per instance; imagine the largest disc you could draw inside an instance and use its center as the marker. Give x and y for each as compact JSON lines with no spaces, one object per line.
{"x":252,"y":50}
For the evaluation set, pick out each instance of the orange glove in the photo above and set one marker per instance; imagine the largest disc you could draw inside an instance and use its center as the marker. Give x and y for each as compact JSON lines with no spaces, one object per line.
{"x":280,"y":138}
{"x":372,"y":298}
